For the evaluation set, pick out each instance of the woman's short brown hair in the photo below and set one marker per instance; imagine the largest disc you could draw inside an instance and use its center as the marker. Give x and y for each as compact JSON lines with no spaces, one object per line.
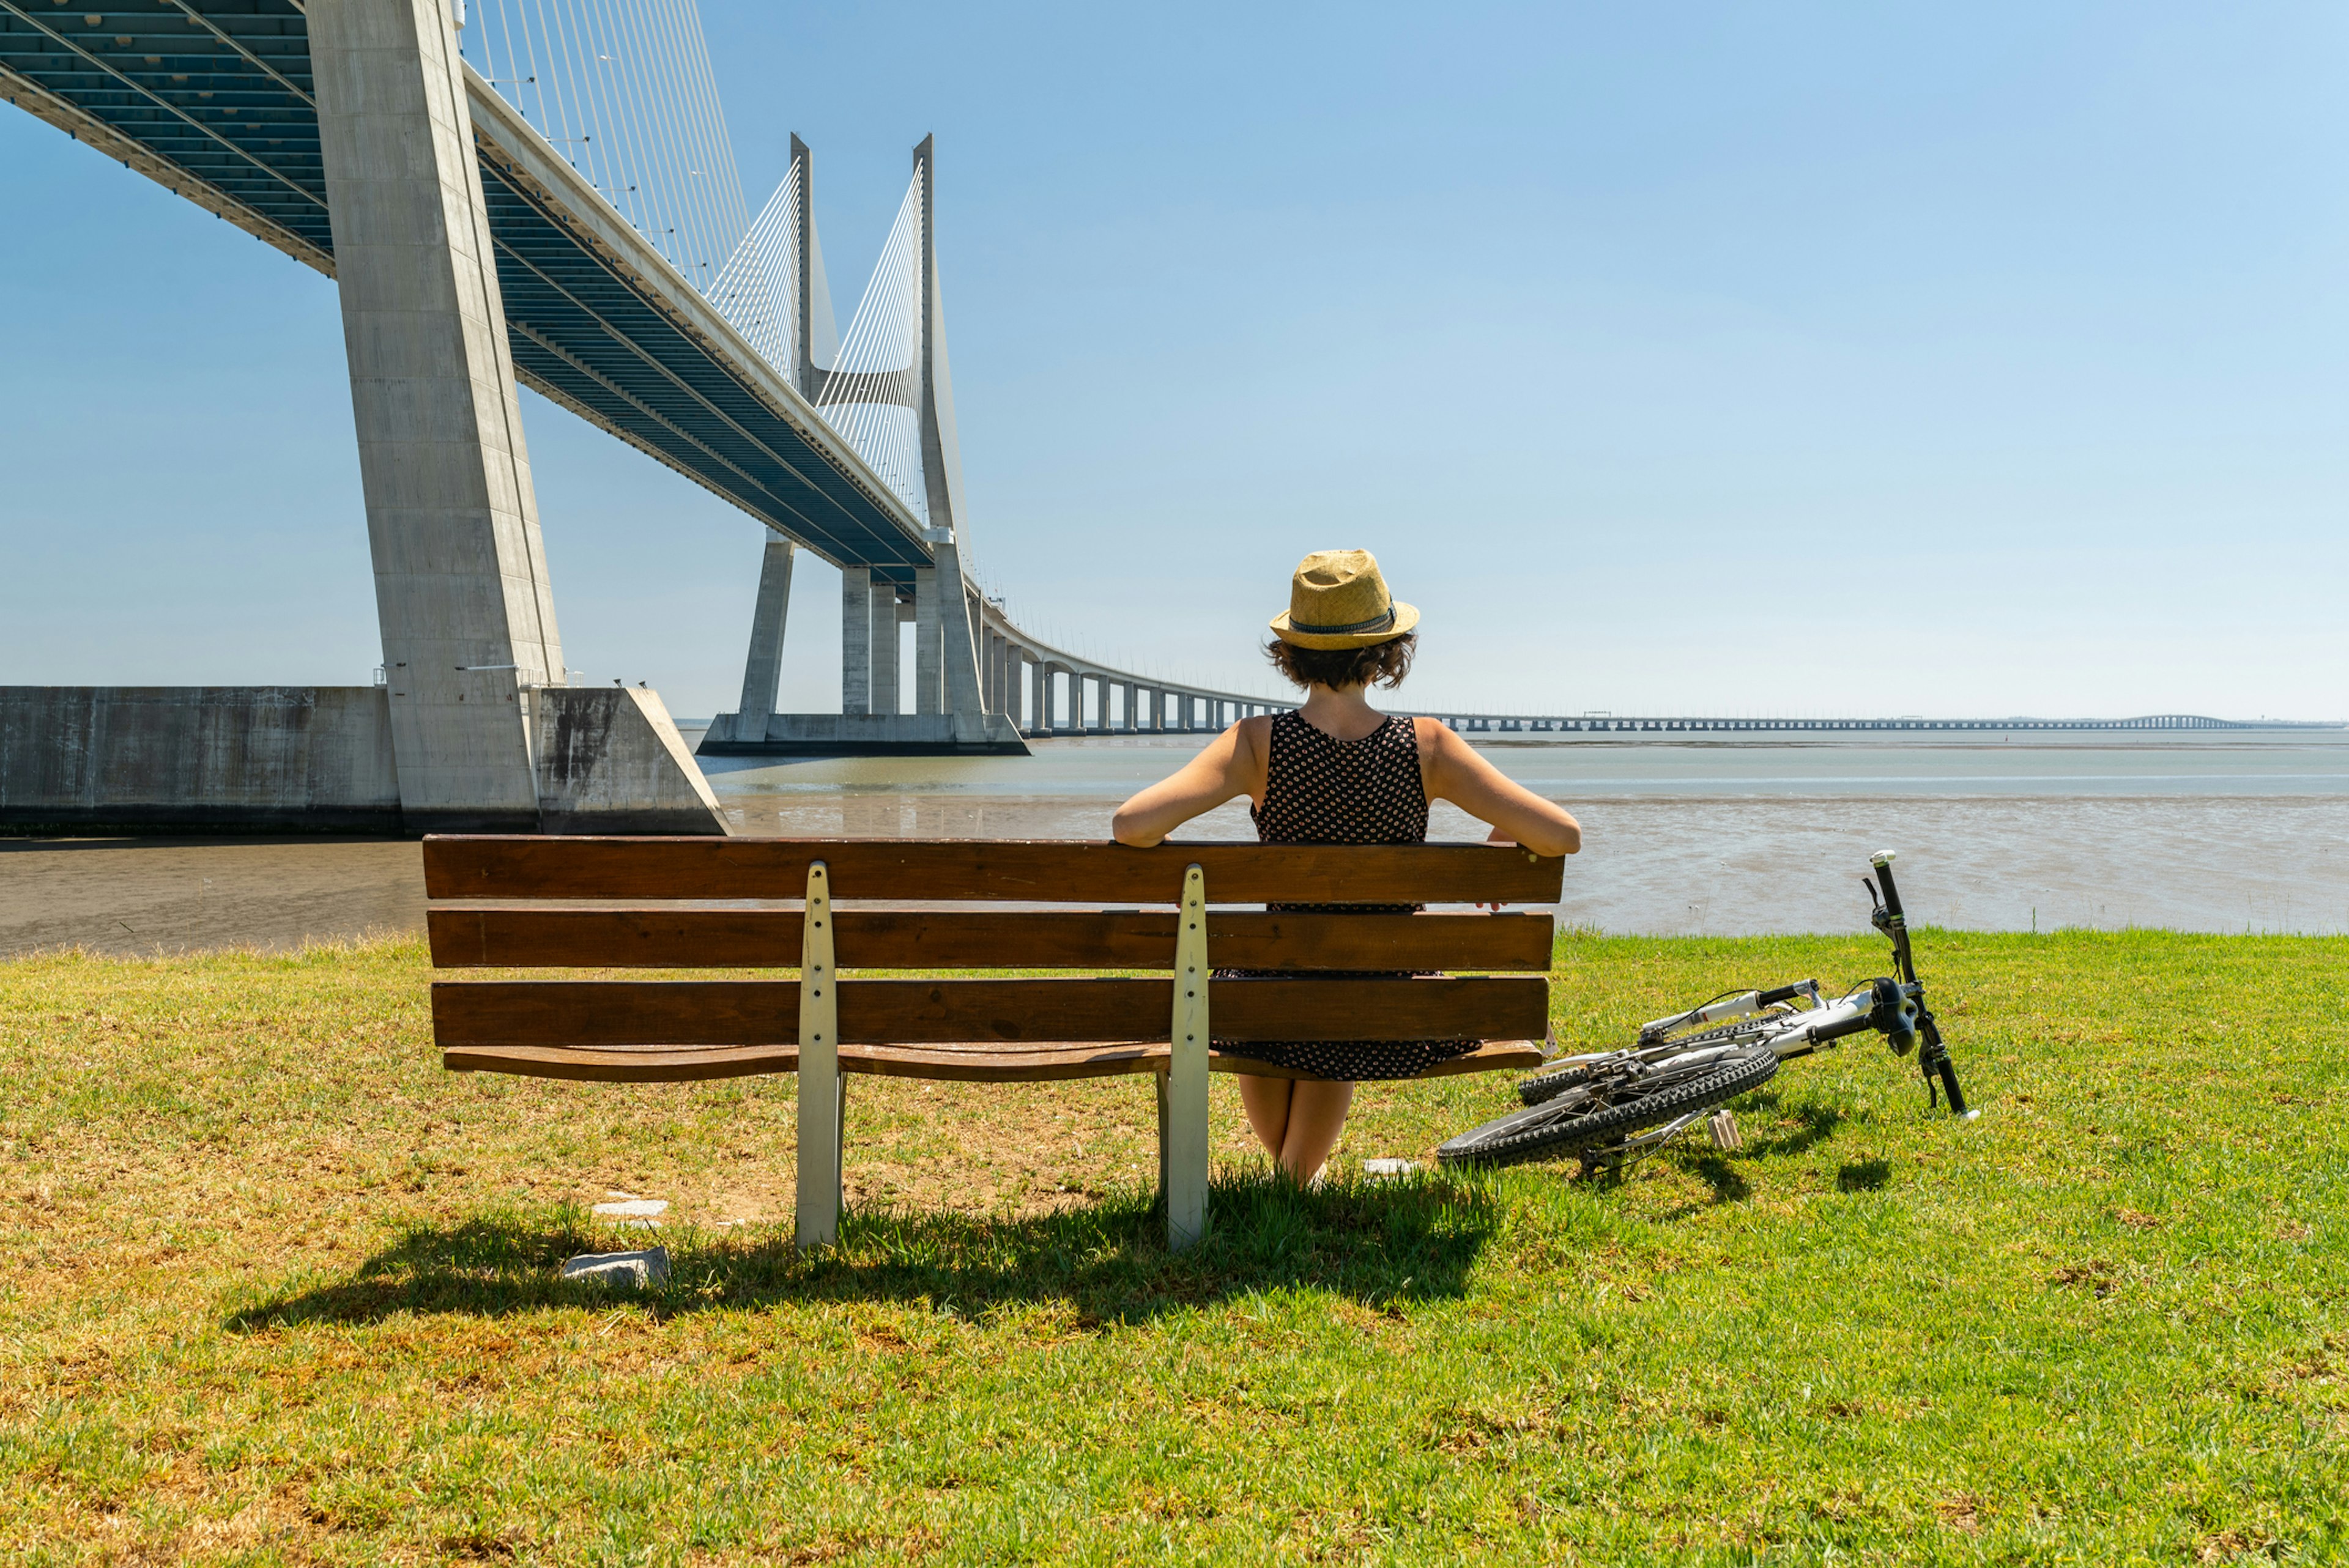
{"x":1381,"y":664}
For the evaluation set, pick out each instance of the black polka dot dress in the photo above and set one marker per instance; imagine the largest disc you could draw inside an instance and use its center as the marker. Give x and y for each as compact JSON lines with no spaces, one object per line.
{"x":1323,"y":790}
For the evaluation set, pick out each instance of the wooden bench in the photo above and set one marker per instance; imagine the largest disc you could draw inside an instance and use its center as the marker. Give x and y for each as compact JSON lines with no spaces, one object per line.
{"x":734,"y":903}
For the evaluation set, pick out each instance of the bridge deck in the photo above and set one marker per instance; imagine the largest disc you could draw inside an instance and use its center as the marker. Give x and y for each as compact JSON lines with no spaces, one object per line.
{"x":214,"y":100}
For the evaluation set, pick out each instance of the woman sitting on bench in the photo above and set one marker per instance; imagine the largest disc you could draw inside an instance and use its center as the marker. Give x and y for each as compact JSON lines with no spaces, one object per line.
{"x":1337,"y":772}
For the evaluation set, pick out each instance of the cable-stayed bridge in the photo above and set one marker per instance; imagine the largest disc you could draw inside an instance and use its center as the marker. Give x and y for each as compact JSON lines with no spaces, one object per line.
{"x":545,"y":194}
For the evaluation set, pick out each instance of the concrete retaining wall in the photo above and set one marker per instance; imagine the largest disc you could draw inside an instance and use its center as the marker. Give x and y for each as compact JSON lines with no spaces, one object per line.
{"x":319,"y":759}
{"x":316,"y":758}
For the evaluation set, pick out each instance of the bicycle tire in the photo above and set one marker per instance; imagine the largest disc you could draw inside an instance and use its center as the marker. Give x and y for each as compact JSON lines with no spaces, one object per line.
{"x":1572,"y":1123}
{"x":1550,"y":1086}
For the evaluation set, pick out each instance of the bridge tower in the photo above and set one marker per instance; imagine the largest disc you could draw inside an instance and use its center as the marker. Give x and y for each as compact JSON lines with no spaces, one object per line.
{"x":956,"y":605}
{"x":955,"y":707}
{"x":485,"y":731}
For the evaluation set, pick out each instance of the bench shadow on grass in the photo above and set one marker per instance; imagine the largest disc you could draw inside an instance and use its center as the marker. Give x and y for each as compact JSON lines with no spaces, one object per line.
{"x":1381,"y":1244}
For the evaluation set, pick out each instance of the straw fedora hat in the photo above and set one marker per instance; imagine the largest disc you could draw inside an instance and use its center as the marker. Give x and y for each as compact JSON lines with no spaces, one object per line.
{"x":1339,"y":600}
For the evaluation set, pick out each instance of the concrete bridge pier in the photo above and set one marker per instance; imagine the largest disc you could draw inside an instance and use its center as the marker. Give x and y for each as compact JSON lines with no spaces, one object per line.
{"x":485,"y":733}
{"x":762,"y":671}
{"x":855,"y":639}
{"x":886,"y":685}
{"x":928,"y":650}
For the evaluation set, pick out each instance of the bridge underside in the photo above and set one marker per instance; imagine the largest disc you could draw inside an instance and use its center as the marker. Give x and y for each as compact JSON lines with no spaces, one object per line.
{"x":216,"y":101}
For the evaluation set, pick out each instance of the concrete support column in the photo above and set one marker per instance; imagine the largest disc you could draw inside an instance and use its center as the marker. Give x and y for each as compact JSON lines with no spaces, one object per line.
{"x":762,"y":672}
{"x":958,"y":632}
{"x":855,"y":639}
{"x":887,"y":697}
{"x":1040,"y":698}
{"x":927,"y":648}
{"x":468,"y":620}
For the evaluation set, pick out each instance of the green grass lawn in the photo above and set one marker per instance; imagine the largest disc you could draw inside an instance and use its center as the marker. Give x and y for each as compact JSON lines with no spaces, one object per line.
{"x":276,"y":1288}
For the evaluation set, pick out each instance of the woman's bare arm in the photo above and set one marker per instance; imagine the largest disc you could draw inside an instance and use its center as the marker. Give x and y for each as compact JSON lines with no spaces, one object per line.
{"x":1232,"y":765}
{"x":1456,"y":773}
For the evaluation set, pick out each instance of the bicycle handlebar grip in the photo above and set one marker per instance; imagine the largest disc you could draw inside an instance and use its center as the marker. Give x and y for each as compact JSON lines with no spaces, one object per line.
{"x":1949,"y":1071}
{"x":1882,"y":861}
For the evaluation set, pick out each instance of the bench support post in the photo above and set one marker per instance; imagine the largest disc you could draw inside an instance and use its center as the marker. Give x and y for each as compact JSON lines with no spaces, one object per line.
{"x":1183,"y":1093}
{"x":822,"y":1092}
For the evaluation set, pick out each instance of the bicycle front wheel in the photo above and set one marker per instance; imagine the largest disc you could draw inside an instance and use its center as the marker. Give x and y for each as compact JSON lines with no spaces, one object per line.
{"x":1607,"y":1107}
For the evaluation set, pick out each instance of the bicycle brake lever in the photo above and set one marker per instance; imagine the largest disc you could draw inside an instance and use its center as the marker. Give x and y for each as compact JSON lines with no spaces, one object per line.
{"x":1878,"y":915}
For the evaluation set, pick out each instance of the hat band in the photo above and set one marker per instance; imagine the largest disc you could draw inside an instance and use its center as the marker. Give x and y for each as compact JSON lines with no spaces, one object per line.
{"x":1376,"y":623}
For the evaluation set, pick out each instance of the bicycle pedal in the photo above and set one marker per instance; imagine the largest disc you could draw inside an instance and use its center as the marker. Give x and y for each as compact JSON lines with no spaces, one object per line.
{"x":1722,"y":1125}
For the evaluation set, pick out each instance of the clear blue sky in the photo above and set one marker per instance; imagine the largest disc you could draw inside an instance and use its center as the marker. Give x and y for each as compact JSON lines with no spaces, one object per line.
{"x":1952,"y":360}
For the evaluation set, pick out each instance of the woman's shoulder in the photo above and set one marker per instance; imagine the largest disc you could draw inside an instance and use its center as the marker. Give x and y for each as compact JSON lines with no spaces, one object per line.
{"x":1253,"y":736}
{"x":1440,"y":744}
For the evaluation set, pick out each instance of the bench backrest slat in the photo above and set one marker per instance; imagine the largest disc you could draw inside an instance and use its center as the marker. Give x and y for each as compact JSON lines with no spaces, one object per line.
{"x":520,"y":866}
{"x":659,"y":936}
{"x":930,"y":1012}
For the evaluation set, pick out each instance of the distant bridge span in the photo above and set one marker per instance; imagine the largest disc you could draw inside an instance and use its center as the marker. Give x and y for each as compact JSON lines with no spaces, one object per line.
{"x":1610,"y":724}
{"x":1075,"y":707}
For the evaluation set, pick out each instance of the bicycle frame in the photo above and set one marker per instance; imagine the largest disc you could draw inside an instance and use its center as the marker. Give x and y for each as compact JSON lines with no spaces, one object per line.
{"x":1891,"y":1006}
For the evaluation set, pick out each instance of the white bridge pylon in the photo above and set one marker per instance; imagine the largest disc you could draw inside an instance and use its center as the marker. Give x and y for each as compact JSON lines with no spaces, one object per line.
{"x":978,"y":682}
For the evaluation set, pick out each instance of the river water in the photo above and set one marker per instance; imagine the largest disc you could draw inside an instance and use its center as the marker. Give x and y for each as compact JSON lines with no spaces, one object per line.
{"x":2227,"y":830}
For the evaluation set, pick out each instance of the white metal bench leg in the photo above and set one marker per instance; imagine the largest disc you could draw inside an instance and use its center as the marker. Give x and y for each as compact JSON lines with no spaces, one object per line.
{"x":1183,"y":1092}
{"x":824,"y":1093}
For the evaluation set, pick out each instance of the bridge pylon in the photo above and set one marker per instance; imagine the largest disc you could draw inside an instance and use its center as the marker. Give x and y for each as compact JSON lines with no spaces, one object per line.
{"x":955,"y":708}
{"x":486,"y":733}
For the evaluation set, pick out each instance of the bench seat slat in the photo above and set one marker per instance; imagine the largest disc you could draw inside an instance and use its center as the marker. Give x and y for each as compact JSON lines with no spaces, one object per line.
{"x":659,"y":936}
{"x":571,"y":1012}
{"x":478,"y":866}
{"x":973,"y":1064}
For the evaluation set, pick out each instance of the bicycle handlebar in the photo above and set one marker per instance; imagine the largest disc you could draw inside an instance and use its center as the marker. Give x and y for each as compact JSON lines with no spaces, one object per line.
{"x":1888,"y":918}
{"x":1883,"y":860}
{"x":1933,"y":1060}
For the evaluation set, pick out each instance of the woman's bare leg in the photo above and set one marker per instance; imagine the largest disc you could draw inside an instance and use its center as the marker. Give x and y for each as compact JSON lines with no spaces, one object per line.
{"x":1267,"y":1102}
{"x":1317,"y":1114}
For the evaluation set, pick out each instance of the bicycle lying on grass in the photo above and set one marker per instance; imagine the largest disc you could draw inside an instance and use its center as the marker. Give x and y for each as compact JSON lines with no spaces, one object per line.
{"x":1615,"y":1107}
